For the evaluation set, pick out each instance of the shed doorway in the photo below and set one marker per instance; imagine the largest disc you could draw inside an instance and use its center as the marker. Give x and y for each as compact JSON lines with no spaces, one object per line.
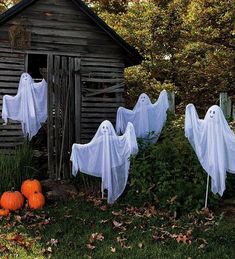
{"x":37,"y":66}
{"x":64,"y":102}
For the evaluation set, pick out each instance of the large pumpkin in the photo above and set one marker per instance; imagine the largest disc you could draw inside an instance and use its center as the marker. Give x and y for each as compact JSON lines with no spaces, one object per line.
{"x":12,"y":200}
{"x":4,"y":212}
{"x":30,"y":186}
{"x":36,"y":200}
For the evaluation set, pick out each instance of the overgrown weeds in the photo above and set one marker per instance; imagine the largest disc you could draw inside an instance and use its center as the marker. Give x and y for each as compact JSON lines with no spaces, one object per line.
{"x":16,"y":167}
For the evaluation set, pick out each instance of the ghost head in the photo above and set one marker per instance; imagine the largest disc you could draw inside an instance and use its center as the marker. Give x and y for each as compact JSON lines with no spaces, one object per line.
{"x":25,"y":77}
{"x":25,"y":82}
{"x":213,"y":114}
{"x":106,"y":128}
{"x":144,"y":99}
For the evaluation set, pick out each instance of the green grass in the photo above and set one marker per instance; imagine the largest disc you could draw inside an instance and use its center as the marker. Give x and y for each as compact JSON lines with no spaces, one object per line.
{"x":15,"y":168}
{"x":72,"y":223}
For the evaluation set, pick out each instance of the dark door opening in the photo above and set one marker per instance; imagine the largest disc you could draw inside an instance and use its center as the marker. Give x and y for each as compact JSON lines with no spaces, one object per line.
{"x":37,"y":66}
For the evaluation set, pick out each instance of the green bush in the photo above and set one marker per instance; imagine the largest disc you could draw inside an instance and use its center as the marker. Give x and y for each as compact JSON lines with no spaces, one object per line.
{"x":169,"y":172}
{"x":15,"y":168}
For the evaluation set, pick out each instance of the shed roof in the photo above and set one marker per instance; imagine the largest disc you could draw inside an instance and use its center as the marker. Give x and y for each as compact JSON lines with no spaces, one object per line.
{"x":134,"y":55}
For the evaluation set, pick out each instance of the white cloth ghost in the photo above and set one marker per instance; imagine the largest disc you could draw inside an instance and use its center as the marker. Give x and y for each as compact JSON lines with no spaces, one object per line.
{"x":146,"y":117}
{"x":213,"y":142}
{"x":106,"y":156}
{"x":29,"y":106}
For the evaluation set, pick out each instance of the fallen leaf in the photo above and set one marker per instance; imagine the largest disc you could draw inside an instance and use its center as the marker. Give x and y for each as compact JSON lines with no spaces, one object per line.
{"x":18,"y":218}
{"x":150,"y":211}
{"x":49,"y":249}
{"x":117,"y":213}
{"x":117,"y":224}
{"x":103,"y":221}
{"x":172,"y":200}
{"x":96,"y":237}
{"x":140,"y":245}
{"x":103,"y":208}
{"x":113,"y":249}
{"x":91,"y":247}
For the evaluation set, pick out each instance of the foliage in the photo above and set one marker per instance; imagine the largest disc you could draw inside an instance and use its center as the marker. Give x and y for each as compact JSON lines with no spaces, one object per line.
{"x":14,"y":169}
{"x":189,"y":44}
{"x":112,"y":6}
{"x":5,"y":4}
{"x":169,"y":172}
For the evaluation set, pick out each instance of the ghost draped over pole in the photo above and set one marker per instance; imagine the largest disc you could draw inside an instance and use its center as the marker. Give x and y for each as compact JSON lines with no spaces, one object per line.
{"x":29,"y":106}
{"x":146,"y":117}
{"x":213,"y":142}
{"x":106,"y":156}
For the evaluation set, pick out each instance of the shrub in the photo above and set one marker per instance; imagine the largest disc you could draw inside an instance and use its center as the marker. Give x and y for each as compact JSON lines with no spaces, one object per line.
{"x":169,"y":172}
{"x":14,"y":169}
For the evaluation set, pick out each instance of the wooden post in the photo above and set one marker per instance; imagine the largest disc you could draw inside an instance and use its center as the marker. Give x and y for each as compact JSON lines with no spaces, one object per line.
{"x":225,"y":104}
{"x":78,"y":100}
{"x":50,"y":73}
{"x":171,"y":99}
{"x":57,"y":113}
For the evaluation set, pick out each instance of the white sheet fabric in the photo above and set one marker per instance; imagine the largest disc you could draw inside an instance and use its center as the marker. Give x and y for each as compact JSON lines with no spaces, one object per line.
{"x":213,"y":142}
{"x":106,"y":156}
{"x":29,"y":106}
{"x":146,"y":117}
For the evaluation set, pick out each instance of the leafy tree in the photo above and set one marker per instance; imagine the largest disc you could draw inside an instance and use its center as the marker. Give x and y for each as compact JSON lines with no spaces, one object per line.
{"x":188,"y":46}
{"x":112,"y":6}
{"x":5,"y":4}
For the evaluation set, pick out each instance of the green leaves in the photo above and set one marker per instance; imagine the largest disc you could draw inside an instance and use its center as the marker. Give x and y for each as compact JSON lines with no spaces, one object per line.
{"x":168,"y":172}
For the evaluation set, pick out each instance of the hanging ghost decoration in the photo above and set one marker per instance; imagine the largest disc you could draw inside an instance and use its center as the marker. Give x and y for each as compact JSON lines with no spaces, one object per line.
{"x":146,"y":117}
{"x":213,"y":142}
{"x":106,"y":156}
{"x":29,"y":106}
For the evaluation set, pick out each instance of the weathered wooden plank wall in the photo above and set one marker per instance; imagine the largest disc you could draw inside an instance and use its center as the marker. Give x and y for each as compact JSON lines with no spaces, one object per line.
{"x":58,"y":25}
{"x":102,"y":84}
{"x":11,"y":67}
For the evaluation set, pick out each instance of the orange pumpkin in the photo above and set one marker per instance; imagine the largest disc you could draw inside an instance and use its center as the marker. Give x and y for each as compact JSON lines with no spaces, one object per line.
{"x":12,"y":200}
{"x":30,"y":186}
{"x":4,"y":212}
{"x":36,"y":200}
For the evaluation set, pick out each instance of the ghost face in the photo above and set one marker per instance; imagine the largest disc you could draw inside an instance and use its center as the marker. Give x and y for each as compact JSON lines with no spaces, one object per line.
{"x":144,"y":99}
{"x":213,"y":114}
{"x":106,"y":128}
{"x":25,"y":77}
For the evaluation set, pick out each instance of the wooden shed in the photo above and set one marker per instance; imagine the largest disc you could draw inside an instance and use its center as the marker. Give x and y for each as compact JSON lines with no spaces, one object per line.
{"x":83,"y":60}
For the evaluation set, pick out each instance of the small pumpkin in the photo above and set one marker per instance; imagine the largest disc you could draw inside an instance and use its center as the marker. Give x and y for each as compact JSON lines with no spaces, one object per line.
{"x":12,"y":200}
{"x":4,"y":212}
{"x":29,"y":186}
{"x":36,"y":200}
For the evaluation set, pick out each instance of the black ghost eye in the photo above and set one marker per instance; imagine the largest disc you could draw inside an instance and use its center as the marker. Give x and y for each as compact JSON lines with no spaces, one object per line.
{"x":210,"y":111}
{"x":103,"y":127}
{"x":213,"y":112}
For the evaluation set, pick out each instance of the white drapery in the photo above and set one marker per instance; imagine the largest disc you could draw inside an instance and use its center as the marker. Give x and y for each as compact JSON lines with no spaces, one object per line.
{"x":148,"y":119}
{"x":213,"y":142}
{"x":106,"y":156}
{"x":29,"y":106}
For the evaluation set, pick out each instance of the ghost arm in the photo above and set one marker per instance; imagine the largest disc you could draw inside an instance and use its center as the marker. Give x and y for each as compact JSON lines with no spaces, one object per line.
{"x":193,"y":126}
{"x":229,"y":138}
{"x":162,"y":102}
{"x":87,"y":158}
{"x":11,"y":107}
{"x":157,"y":113}
{"x":123,"y":117}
